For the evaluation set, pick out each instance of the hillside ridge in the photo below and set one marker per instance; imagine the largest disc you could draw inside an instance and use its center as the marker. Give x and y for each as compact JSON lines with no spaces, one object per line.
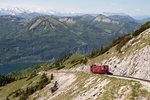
{"x":45,"y":38}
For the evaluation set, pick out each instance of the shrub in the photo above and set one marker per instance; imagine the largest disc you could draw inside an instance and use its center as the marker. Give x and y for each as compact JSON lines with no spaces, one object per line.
{"x":60,"y":67}
{"x":142,"y":28}
{"x":123,"y":42}
{"x":52,"y":77}
{"x":24,"y":94}
{"x":5,"y":80}
{"x":55,"y":87}
{"x":92,"y":54}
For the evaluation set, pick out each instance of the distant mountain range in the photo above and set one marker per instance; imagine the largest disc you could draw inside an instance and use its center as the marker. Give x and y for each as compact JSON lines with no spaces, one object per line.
{"x":28,"y":13}
{"x":42,"y":38}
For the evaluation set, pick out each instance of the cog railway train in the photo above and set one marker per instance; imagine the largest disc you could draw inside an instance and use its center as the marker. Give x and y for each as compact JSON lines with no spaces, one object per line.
{"x":103,"y":69}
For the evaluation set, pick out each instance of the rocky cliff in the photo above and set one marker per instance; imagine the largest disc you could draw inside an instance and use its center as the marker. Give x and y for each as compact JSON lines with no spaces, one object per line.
{"x":134,"y":59}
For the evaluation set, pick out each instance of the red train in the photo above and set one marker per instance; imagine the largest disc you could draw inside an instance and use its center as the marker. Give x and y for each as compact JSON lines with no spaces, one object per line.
{"x":99,"y":69}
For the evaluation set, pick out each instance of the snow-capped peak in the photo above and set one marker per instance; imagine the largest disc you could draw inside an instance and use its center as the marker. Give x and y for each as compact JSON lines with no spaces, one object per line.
{"x":13,"y":11}
{"x":16,"y":11}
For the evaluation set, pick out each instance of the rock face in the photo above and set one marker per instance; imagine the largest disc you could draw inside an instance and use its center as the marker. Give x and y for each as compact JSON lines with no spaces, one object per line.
{"x":35,"y":24}
{"x":67,"y":20}
{"x":94,"y":92}
{"x":85,"y":86}
{"x":136,"y":65}
{"x":102,"y":18}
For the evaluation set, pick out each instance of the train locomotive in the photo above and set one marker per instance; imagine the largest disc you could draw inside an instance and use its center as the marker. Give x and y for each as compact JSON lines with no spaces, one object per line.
{"x":103,"y":69}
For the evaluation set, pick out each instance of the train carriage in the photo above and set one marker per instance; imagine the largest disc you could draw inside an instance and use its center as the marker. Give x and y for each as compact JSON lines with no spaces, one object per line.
{"x":99,"y":69}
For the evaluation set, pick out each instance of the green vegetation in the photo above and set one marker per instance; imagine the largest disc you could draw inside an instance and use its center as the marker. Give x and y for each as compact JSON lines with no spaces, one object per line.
{"x":123,"y":42}
{"x":142,"y":28}
{"x":45,"y":38}
{"x":70,"y":60}
{"x":29,"y":81}
{"x":16,"y":85}
{"x":128,"y":37}
{"x":5,"y":80}
{"x":23,"y":94}
{"x":26,"y":88}
{"x":120,"y":42}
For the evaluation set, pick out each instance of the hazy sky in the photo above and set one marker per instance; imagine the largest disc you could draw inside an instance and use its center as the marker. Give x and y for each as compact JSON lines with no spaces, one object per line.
{"x":131,"y":7}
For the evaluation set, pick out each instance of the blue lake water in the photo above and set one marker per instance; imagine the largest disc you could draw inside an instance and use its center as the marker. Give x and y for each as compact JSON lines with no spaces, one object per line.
{"x":5,"y":69}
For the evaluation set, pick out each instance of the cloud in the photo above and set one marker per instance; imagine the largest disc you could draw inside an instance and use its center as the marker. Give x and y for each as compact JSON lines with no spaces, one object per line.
{"x":138,"y":10}
{"x":25,"y":6}
{"x":119,"y":9}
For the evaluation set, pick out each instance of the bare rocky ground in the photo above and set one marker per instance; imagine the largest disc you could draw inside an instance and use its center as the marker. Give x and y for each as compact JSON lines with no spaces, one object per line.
{"x":76,"y":85}
{"x":63,"y":80}
{"x":94,"y":92}
{"x":86,"y":69}
{"x":68,"y":82}
{"x":136,"y":65}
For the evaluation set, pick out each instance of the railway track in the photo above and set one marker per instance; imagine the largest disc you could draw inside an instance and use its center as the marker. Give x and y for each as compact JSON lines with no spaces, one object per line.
{"x":130,"y":77}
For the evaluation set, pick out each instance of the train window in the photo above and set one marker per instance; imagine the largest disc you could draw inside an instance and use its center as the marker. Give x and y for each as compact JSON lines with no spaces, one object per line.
{"x":102,"y":68}
{"x":106,"y":67}
{"x":95,"y":67}
{"x":98,"y":67}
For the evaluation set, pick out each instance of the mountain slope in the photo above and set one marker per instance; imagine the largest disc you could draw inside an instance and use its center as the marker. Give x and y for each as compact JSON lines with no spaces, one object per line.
{"x":130,"y":52}
{"x":144,"y":20}
{"x":121,"y":17}
{"x":45,"y":37}
{"x":131,"y":59}
{"x":9,"y":26}
{"x":74,"y":86}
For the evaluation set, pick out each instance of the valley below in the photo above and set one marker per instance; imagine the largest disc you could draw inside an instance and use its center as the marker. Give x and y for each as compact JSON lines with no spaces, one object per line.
{"x":46,"y":38}
{"x":5,"y":69}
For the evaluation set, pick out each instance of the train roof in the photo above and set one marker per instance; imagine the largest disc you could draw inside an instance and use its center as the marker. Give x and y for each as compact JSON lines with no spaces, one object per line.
{"x":98,"y":65}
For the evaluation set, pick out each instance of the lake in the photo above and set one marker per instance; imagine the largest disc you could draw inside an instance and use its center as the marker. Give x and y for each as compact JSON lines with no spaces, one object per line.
{"x":5,"y":69}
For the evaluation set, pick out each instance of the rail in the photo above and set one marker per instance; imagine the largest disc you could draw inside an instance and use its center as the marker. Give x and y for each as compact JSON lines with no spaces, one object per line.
{"x":129,"y":77}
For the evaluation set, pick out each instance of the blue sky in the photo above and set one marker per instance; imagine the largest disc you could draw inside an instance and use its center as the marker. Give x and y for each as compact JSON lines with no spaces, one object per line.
{"x":131,"y":7}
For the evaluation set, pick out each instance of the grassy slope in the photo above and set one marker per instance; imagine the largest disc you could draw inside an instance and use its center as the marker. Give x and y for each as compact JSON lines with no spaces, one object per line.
{"x":126,"y":47}
{"x":20,"y":84}
{"x":129,"y":48}
{"x":111,"y":89}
